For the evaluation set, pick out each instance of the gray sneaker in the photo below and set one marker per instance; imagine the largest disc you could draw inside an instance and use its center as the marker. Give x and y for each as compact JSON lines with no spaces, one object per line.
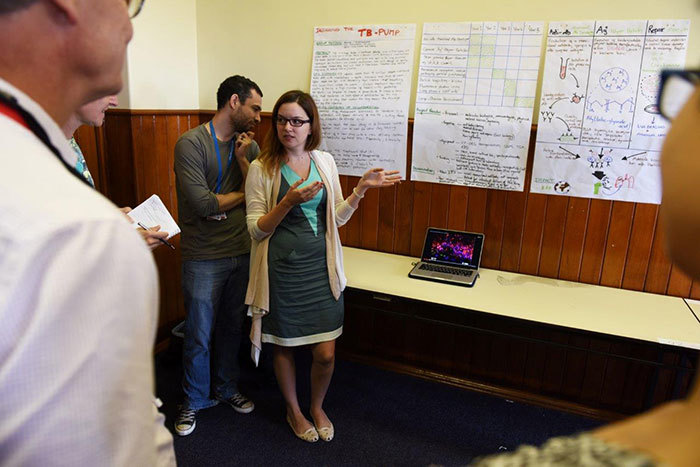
{"x":240,"y":403}
{"x":185,"y":422}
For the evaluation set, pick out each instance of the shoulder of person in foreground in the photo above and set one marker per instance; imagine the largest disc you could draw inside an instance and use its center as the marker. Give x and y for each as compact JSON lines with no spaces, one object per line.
{"x":78,"y":302}
{"x":680,"y":169}
{"x":669,"y":434}
{"x":671,"y":431}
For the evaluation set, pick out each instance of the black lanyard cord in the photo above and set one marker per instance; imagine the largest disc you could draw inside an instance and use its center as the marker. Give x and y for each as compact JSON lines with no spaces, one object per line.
{"x":36,"y":128}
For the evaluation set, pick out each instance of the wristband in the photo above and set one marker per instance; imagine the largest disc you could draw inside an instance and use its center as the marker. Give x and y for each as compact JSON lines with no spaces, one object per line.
{"x":354,"y":190}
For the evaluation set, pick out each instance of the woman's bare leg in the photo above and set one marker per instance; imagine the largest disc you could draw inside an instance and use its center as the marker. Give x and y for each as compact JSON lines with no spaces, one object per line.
{"x":285,"y":371}
{"x":321,"y":373}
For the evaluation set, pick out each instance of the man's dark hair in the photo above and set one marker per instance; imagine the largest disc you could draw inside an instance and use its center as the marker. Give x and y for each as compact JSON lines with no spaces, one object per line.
{"x":237,"y":84}
{"x":7,"y":6}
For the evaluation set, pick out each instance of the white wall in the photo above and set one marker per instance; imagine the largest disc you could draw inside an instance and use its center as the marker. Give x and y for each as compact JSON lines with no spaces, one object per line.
{"x":161,"y":70}
{"x":183,"y":49}
{"x":271,"y":41}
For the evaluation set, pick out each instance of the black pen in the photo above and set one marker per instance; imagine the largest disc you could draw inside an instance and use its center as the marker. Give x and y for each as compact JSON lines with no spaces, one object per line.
{"x":162,"y":240}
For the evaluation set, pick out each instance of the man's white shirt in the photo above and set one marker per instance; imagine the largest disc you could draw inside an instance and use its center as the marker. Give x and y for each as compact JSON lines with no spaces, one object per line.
{"x":78,"y":314}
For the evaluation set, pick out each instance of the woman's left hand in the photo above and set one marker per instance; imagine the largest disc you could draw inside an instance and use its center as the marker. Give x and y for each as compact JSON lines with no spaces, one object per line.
{"x":377,"y":178}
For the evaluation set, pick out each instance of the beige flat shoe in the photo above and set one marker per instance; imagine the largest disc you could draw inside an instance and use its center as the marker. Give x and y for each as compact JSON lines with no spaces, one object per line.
{"x":326,"y":433}
{"x":310,"y":435}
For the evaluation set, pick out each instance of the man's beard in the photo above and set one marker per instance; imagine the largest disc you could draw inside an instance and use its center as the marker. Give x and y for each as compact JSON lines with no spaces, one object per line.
{"x":240,"y":124}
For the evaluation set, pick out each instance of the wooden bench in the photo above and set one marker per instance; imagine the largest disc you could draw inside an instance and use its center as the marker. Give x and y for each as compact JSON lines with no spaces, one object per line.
{"x":589,"y":349}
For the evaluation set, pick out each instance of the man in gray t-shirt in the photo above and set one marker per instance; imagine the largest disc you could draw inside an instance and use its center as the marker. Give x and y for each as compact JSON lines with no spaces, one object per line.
{"x":211,"y":163}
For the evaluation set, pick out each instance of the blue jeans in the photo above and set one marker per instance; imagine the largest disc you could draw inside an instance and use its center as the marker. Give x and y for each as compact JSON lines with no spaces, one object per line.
{"x":214,"y":293}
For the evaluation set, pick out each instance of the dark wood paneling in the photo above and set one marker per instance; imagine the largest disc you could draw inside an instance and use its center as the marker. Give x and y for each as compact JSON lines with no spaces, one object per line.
{"x":457,"y":215}
{"x":404,"y":219}
{"x":574,"y":236}
{"x":354,"y":226}
{"x":695,"y":290}
{"x":476,"y":210}
{"x":387,"y":217}
{"x":575,"y":365}
{"x":580,"y":371}
{"x":138,"y":160}
{"x":370,"y":220}
{"x":533,"y":229}
{"x":639,"y":250}
{"x":593,"y":241}
{"x":439,"y":206}
{"x":679,"y":283}
{"x":594,"y":245}
{"x":659,"y":271}
{"x":494,"y":221}
{"x":617,"y":242}
{"x":420,"y":220}
{"x":513,"y":236}
{"x":553,"y":236}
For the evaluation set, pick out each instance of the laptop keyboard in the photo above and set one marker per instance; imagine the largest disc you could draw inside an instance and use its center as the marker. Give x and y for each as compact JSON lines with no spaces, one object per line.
{"x":446,"y":269}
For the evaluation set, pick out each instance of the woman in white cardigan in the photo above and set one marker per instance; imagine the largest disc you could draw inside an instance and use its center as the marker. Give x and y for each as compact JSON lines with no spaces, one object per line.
{"x":294,"y":208}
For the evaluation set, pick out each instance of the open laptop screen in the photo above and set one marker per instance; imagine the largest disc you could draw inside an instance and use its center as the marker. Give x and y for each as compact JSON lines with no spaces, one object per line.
{"x":452,"y":247}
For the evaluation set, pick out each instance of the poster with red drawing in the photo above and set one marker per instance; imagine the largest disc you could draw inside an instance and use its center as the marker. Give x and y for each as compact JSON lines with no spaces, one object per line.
{"x":599,"y":132}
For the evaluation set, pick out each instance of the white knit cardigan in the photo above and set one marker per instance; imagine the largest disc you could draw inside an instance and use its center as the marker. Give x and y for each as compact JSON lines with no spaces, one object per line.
{"x":261,"y":191}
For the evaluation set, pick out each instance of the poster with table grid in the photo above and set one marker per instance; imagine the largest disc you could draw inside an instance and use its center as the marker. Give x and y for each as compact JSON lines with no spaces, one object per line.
{"x":474,"y":104}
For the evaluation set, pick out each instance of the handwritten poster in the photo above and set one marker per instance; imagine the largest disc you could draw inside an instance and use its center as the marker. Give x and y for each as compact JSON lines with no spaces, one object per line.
{"x":476,"y":92}
{"x":599,"y":131}
{"x":361,"y":82}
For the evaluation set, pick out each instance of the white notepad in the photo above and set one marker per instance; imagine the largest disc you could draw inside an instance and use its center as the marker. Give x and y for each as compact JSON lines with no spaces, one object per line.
{"x":153,"y":212}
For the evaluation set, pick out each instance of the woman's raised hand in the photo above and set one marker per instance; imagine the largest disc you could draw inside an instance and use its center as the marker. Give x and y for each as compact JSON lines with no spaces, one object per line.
{"x":377,"y":178}
{"x":296,"y":195}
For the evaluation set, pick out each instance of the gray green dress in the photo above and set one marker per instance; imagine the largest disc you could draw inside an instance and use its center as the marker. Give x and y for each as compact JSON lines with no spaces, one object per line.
{"x":302,"y":307}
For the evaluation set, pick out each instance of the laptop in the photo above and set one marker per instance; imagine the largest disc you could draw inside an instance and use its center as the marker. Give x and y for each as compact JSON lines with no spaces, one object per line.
{"x":450,"y":256}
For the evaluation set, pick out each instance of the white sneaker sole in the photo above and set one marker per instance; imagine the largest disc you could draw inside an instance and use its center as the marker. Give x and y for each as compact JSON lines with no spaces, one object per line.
{"x":244,"y":410}
{"x":187,"y":431}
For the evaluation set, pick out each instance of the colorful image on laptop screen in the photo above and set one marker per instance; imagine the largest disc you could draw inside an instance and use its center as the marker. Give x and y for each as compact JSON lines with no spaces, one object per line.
{"x":451,"y":247}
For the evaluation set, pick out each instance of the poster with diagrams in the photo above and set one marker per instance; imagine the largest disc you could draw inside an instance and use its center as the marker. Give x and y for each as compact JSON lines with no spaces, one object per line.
{"x":476,"y":92}
{"x":599,"y":131}
{"x":361,"y":82}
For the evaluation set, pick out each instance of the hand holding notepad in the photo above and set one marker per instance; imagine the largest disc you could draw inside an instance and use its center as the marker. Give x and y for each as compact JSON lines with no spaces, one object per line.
{"x":153,"y":212}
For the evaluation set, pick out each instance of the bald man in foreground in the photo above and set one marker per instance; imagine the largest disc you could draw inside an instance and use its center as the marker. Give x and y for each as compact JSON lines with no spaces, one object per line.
{"x":78,"y":286}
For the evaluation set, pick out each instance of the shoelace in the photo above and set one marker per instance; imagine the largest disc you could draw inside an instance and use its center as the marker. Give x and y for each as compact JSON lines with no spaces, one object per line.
{"x":186,"y":416}
{"x":239,"y":399}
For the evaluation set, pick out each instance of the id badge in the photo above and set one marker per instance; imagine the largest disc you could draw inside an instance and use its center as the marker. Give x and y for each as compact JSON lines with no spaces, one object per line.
{"x":217,"y":217}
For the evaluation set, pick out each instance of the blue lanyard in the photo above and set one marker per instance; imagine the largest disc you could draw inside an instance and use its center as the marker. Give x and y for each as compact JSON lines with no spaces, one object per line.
{"x":218,"y":156}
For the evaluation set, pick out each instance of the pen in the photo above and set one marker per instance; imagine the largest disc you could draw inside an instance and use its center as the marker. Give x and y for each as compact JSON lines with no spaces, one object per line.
{"x":162,"y":240}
